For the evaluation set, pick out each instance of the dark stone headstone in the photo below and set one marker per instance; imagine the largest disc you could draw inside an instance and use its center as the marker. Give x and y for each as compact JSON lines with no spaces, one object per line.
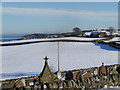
{"x":118,"y":69}
{"x":69,"y":75}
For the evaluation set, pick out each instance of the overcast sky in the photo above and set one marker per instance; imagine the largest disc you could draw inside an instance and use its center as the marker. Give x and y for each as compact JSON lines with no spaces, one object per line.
{"x":53,"y":17}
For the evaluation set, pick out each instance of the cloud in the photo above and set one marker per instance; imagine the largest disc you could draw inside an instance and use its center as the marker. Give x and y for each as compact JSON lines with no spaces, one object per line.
{"x":0,"y":10}
{"x":81,"y":14}
{"x":47,"y":12}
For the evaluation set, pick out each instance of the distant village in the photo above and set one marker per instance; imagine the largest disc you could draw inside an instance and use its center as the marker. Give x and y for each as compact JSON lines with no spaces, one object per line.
{"x":76,"y":32}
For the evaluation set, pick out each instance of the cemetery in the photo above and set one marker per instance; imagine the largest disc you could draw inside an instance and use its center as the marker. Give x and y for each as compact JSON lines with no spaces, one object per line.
{"x":103,"y":76}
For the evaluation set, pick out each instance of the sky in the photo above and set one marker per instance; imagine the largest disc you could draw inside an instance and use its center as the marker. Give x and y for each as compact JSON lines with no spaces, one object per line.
{"x":57,"y":17}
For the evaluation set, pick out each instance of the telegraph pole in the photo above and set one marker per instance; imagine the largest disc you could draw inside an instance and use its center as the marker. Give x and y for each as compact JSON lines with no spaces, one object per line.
{"x":58,"y":72}
{"x":58,"y":58}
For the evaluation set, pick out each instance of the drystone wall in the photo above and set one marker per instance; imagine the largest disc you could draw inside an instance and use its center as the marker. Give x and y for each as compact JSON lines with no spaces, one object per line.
{"x":90,"y":78}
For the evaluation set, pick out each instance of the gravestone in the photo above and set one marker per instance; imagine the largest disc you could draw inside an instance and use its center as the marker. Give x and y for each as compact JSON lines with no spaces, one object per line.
{"x":12,"y":83}
{"x":19,"y":84}
{"x":114,"y":71}
{"x":86,"y":75}
{"x":118,"y":69}
{"x":102,"y":70}
{"x":95,"y":72}
{"x":23,"y":81}
{"x":74,"y":75}
{"x":69,"y":75}
{"x":78,"y":75}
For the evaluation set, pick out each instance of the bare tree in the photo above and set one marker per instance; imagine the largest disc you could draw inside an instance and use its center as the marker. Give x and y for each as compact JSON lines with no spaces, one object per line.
{"x":111,"y":30}
{"x":77,"y":31}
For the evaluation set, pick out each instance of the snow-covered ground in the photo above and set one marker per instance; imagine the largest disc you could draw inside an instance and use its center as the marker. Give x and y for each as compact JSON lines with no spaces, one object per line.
{"x":113,"y":39}
{"x":65,"y":38}
{"x":24,"y":60}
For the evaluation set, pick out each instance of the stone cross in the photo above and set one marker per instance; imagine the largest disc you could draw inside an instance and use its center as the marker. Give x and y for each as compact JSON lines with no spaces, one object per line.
{"x":46,"y":58}
{"x":102,"y":63}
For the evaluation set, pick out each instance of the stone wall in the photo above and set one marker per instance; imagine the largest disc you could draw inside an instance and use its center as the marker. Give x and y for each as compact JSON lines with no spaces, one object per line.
{"x":95,"y":77}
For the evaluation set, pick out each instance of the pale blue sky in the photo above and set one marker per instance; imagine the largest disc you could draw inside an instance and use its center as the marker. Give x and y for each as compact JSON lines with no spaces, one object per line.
{"x":51,"y":17}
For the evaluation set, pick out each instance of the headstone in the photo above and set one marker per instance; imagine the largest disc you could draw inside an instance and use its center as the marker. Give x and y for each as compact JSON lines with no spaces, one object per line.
{"x":12,"y":83}
{"x":97,"y":79}
{"x":102,"y":70}
{"x":69,"y":75}
{"x":74,"y":75}
{"x":86,"y":75}
{"x":31,"y":83}
{"x":114,"y":70}
{"x":23,"y":81}
{"x":19,"y":84}
{"x":59,"y":75}
{"x":27,"y":83}
{"x":44,"y":86}
{"x":118,"y":69}
{"x":95,"y":72}
{"x":78,"y":75}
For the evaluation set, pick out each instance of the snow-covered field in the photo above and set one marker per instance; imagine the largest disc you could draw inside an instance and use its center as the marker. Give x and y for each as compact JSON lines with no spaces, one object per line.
{"x":114,"y":39}
{"x":24,"y":60}
{"x":65,"y":38}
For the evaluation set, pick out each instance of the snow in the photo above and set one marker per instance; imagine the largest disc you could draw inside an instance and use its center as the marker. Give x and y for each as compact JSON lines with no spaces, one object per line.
{"x":87,"y":33}
{"x":113,"y":39}
{"x":116,"y":33}
{"x":26,"y":59}
{"x":47,"y":39}
{"x":118,"y":42}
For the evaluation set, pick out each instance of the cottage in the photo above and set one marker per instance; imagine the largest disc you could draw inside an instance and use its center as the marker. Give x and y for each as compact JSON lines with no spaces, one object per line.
{"x":103,"y":34}
{"x":86,"y":34}
{"x":95,"y":34}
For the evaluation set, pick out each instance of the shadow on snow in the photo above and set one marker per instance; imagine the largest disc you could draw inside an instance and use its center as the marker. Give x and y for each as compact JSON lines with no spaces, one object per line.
{"x":16,"y":75}
{"x":106,"y":47}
